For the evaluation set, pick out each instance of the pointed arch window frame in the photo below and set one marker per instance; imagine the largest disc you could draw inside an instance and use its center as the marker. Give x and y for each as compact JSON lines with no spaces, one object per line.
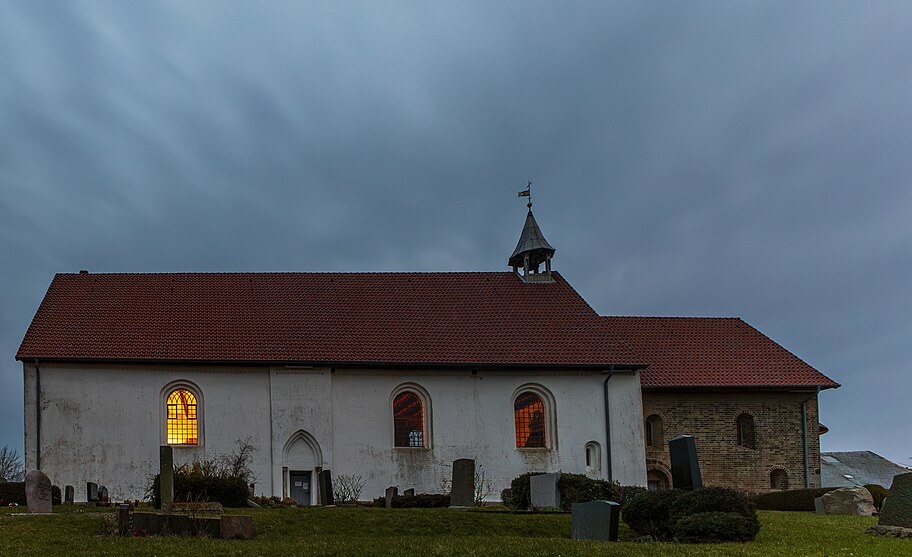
{"x":426,"y":435}
{"x":197,"y":393}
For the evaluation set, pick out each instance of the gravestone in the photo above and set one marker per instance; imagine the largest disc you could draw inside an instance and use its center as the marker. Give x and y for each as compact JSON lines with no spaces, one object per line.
{"x":326,"y":488}
{"x":818,"y":506}
{"x":595,"y":520}
{"x":897,"y":507}
{"x":391,"y":493}
{"x":38,"y":492}
{"x":855,"y":501}
{"x":462,"y":491}
{"x":124,"y":519}
{"x":166,"y":475}
{"x":543,"y":491}
{"x":69,"y":494}
{"x":91,"y":492}
{"x":685,"y":468}
{"x":409,"y":492}
{"x":103,"y":494}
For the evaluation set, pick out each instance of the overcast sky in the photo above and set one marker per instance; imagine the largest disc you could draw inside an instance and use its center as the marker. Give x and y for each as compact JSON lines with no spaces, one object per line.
{"x":689,"y":158}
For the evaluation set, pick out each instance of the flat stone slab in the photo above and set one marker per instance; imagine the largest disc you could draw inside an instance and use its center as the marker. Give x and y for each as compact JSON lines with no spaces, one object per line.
{"x":197,"y":507}
{"x":890,"y":531}
{"x":595,"y":520}
{"x":897,"y":507}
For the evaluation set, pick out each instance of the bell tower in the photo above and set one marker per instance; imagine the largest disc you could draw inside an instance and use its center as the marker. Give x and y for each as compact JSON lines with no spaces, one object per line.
{"x":532,"y":250}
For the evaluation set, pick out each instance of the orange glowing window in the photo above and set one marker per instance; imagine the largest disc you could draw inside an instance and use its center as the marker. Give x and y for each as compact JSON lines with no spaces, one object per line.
{"x":183,"y":426}
{"x":529,"y":417}
{"x":408,"y":420}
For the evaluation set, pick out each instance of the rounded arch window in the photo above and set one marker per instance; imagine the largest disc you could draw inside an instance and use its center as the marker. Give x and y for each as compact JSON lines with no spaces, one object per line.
{"x":779,"y":479}
{"x":593,"y":456}
{"x":533,"y":418}
{"x":746,"y":431}
{"x":654,"y":436}
{"x":182,"y":423}
{"x":408,"y":420}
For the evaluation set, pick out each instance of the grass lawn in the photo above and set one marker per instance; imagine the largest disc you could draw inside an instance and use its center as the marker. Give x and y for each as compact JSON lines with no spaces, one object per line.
{"x":76,"y":531}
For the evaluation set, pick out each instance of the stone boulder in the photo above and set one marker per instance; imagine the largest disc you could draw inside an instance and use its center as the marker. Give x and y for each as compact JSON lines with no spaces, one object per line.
{"x":897,"y":507}
{"x":849,"y":500}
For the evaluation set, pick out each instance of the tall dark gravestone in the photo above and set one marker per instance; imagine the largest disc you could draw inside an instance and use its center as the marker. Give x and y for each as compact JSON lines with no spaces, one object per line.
{"x":91,"y":492}
{"x":326,"y":488}
{"x":462,"y":490}
{"x":685,"y":468}
{"x":69,"y":494}
{"x":166,"y":475}
{"x":595,"y":520}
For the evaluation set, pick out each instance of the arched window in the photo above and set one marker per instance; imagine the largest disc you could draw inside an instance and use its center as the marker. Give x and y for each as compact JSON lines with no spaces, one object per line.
{"x":183,"y":418}
{"x":408,"y":420}
{"x":529,"y":417}
{"x":746,"y":437}
{"x":593,"y":456}
{"x":779,"y":479}
{"x":656,"y":480}
{"x":654,"y":433}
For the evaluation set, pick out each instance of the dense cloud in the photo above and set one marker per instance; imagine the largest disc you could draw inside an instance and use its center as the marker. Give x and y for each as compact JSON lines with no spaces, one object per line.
{"x":688,"y":159}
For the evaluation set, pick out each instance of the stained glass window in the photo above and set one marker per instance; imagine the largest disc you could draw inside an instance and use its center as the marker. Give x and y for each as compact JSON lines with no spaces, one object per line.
{"x":529,"y":417}
{"x":183,"y":425}
{"x":408,"y":420}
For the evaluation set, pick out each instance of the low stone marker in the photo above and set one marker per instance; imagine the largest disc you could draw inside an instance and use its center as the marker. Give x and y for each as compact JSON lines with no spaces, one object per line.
{"x":543,"y":491}
{"x":897,"y":507}
{"x":69,"y":494}
{"x":685,"y":467}
{"x":818,"y":506}
{"x":38,"y":492}
{"x":391,"y":493}
{"x":166,"y":475}
{"x":409,"y":492}
{"x":595,"y":520}
{"x":91,"y":492}
{"x":462,"y":490}
{"x":103,"y":494}
{"x":326,"y":488}
{"x":849,"y":501}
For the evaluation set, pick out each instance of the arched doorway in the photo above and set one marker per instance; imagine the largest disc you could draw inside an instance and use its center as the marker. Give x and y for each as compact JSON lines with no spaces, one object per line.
{"x":656,"y":480}
{"x":301,"y":461}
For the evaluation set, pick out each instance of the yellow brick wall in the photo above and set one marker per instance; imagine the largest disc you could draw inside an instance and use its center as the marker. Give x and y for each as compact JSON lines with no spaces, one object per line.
{"x":711,"y":418}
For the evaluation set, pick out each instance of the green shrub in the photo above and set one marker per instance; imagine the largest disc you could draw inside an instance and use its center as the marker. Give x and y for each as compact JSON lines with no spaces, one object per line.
{"x":577,"y":488}
{"x":574,"y":488}
{"x":519,"y":496}
{"x":878,"y":492}
{"x":713,"y":499}
{"x":789,"y":500}
{"x":716,"y":527}
{"x":195,"y":486}
{"x":649,"y":513}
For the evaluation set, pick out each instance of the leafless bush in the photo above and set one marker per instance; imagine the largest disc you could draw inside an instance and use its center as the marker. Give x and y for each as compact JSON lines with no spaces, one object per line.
{"x":483,"y":486}
{"x":11,"y":468}
{"x":347,"y":488}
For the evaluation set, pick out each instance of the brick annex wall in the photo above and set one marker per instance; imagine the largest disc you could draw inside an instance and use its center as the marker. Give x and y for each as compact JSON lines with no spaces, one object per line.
{"x":712,"y":417}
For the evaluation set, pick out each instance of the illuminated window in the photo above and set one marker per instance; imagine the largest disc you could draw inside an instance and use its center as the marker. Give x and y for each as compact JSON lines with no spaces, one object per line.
{"x":529,"y":417}
{"x":746,"y":436}
{"x":183,"y":423}
{"x":408,"y":420}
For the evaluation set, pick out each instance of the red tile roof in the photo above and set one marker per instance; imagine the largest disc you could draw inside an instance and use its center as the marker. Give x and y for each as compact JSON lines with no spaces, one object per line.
{"x":711,"y":352}
{"x":359,"y":318}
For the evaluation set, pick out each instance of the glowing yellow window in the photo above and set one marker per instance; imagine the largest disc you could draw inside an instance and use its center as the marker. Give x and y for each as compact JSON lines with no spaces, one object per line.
{"x":182,"y":423}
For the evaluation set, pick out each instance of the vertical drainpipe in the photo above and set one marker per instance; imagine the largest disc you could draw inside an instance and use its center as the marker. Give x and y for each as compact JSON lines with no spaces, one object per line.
{"x":37,"y":416}
{"x":609,"y":375}
{"x":804,"y":437}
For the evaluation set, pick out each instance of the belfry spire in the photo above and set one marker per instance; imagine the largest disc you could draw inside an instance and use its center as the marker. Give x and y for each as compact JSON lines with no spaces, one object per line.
{"x":532,"y":249}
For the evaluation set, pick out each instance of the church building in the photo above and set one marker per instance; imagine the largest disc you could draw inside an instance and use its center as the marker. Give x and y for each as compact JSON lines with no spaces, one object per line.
{"x":393,"y":376}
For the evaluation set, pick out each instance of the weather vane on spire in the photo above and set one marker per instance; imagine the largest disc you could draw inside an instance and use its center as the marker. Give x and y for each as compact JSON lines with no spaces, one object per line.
{"x":527,"y":193}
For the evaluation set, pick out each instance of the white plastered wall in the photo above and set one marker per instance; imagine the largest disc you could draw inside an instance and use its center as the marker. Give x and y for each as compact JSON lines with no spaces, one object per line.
{"x":104,"y":424}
